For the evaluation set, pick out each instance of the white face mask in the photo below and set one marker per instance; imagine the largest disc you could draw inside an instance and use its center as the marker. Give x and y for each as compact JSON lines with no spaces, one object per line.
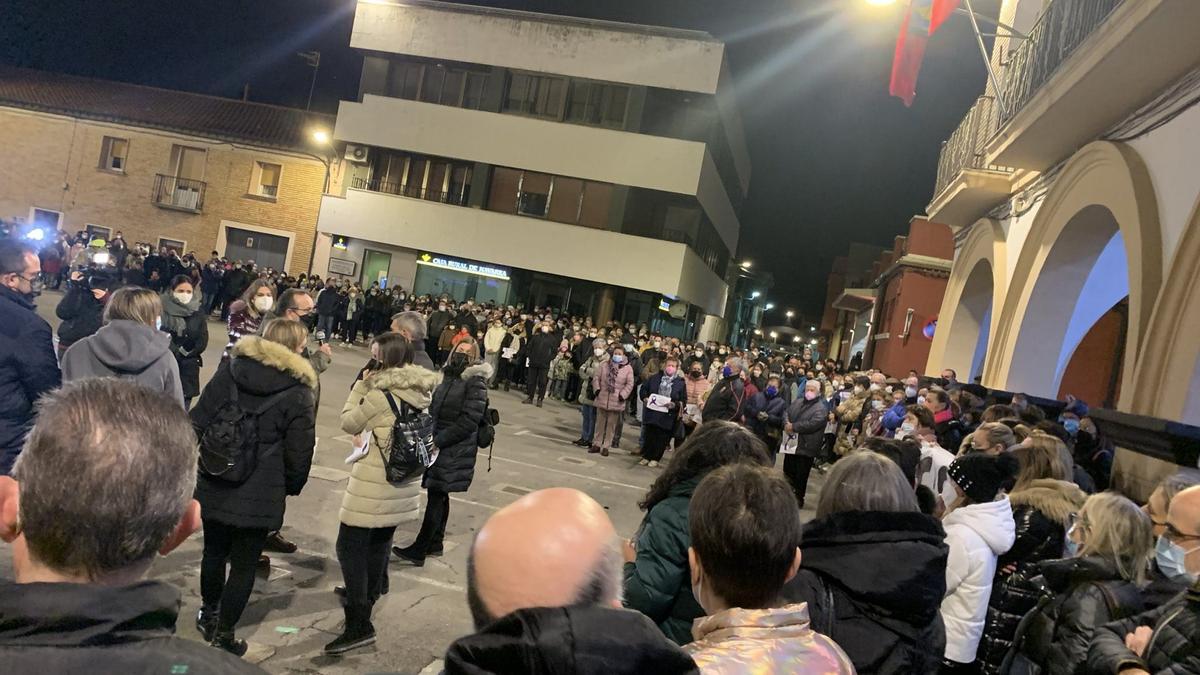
{"x":183,"y":298}
{"x":263,"y":302}
{"x":158,"y":323}
{"x":598,"y":352}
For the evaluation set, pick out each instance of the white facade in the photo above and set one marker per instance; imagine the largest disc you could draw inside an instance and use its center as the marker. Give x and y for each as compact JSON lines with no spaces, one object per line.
{"x":642,"y":58}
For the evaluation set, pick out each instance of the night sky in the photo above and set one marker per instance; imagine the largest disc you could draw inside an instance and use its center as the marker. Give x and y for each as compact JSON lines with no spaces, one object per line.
{"x":835,"y":160}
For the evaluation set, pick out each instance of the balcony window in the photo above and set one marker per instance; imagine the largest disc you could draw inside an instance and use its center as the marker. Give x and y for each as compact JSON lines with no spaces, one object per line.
{"x":265,"y":179}
{"x":404,"y":79}
{"x":475,"y":90}
{"x":460,"y":183}
{"x":537,"y":95}
{"x":533,"y":195}
{"x":113,"y":152}
{"x":597,"y":104}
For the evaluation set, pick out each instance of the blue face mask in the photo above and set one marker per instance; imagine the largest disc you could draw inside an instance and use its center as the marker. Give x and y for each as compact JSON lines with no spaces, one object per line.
{"x":1071,"y":425}
{"x":771,"y":391}
{"x":618,"y":359}
{"x":1070,"y":546}
{"x":726,"y":371}
{"x":1171,"y":560}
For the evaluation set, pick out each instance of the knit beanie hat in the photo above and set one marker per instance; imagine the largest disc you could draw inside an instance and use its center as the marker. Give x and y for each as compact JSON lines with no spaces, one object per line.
{"x":981,"y":476}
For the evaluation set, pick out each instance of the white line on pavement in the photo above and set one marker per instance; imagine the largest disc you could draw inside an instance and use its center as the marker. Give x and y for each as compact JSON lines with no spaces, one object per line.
{"x":639,"y":488}
{"x":479,"y":504}
{"x":432,"y":582}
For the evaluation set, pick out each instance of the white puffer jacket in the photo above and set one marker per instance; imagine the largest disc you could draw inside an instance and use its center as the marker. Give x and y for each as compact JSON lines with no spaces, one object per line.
{"x":371,"y":501}
{"x":977,"y":535}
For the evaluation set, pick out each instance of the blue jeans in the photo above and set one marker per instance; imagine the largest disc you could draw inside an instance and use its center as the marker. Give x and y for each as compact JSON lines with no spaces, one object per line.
{"x":325,"y":322}
{"x":589,"y":421}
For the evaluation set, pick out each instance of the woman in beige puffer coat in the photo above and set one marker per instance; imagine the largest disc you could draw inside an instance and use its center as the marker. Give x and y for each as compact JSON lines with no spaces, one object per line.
{"x":372,"y":507}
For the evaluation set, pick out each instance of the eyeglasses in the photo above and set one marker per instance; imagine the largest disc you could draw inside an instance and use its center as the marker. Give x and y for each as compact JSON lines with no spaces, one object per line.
{"x":302,"y":312}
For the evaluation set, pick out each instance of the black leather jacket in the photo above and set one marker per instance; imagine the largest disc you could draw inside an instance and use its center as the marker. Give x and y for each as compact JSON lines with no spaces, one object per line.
{"x":1174,"y":646}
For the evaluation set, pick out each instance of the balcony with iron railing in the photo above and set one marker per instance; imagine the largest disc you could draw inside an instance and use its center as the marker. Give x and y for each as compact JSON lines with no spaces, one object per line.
{"x":967,"y":185}
{"x":1085,"y":66}
{"x":183,"y":194}
{"x":455,"y":197}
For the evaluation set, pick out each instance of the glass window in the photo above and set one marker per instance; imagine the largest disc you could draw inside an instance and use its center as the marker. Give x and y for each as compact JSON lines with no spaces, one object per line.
{"x":535,"y":95}
{"x":113,"y":152}
{"x":460,"y":183}
{"x":617,"y":100}
{"x":534,"y":198}
{"x":452,"y":87}
{"x":266,"y":179}
{"x":403,"y":79}
{"x":518,"y":93}
{"x":502,"y":196}
{"x":431,"y":87}
{"x":567,"y":193}
{"x":476,"y":88}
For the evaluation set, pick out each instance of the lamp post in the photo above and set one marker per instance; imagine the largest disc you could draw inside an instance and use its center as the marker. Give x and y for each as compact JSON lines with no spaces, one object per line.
{"x":320,"y":137}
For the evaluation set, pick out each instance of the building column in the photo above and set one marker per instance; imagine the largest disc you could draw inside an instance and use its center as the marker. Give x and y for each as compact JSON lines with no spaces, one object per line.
{"x":606,"y":303}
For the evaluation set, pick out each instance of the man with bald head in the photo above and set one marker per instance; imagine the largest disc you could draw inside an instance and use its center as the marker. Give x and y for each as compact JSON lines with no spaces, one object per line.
{"x":544,"y":589}
{"x":1126,"y":647}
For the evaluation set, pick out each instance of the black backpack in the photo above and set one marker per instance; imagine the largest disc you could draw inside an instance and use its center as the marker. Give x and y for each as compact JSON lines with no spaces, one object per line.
{"x":411,"y":448}
{"x":229,"y":444}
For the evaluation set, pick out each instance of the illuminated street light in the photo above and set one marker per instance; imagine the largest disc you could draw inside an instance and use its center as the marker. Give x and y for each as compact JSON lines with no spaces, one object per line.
{"x":754,"y":295}
{"x":774,"y":335}
{"x":812,"y":341}
{"x":770,"y":306}
{"x":790,"y":314}
{"x":796,"y":339}
{"x":320,"y":136}
{"x":758,"y":331}
{"x":747,"y":264}
{"x":812,"y":329}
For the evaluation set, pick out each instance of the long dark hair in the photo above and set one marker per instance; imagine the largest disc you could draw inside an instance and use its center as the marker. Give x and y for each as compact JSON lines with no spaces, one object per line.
{"x":712,"y":445}
{"x":395,"y":350}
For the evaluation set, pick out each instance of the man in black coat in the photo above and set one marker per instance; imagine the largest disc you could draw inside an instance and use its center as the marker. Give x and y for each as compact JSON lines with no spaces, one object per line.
{"x":806,"y":420}
{"x":542,"y":347}
{"x":80,"y":602}
{"x":727,"y":400}
{"x":436,"y":324}
{"x":28,"y":367}
{"x":237,"y":280}
{"x":81,"y":310}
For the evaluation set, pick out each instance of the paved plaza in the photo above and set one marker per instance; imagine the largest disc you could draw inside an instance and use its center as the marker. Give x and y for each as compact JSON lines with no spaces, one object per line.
{"x":293,"y":613}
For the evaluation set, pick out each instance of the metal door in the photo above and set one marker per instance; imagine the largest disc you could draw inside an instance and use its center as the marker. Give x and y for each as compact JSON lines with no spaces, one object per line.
{"x":266,"y":250}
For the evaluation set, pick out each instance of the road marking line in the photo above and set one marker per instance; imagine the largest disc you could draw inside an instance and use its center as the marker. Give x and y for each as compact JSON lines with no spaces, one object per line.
{"x":527,"y":432}
{"x":445,"y":585}
{"x":639,"y":488}
{"x":479,"y":504}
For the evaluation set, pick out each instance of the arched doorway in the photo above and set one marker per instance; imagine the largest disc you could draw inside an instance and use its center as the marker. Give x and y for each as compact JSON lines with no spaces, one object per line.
{"x":1095,"y":240}
{"x":965,"y":322}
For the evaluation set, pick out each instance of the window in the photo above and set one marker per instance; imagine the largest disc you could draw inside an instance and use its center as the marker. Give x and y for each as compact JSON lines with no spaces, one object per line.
{"x":533,"y":197}
{"x":538,"y":95}
{"x":460,"y":184}
{"x":475,"y":90}
{"x":598,"y":104}
{"x":265,"y":180}
{"x":176,"y":245}
{"x":94,"y":231}
{"x":404,"y":79}
{"x":45,"y":219}
{"x":113,"y":152}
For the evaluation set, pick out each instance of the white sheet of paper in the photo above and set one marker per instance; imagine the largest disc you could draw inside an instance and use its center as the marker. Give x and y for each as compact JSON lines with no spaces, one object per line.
{"x":788,"y":445}
{"x":508,"y":352}
{"x":359,"y":451}
{"x":659,"y":403}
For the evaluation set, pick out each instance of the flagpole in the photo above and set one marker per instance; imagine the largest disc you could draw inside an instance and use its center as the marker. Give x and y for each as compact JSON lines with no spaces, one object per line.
{"x":987,"y":62}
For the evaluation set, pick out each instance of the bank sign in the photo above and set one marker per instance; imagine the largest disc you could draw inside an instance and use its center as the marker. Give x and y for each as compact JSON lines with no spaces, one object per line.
{"x":444,"y":262}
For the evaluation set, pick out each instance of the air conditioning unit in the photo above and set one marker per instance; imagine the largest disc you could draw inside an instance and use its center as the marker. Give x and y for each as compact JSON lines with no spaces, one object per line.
{"x":356,"y":153}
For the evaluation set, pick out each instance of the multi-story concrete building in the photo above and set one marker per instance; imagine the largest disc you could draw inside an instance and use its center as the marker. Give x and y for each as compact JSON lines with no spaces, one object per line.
{"x":1073,"y":193}
{"x":167,"y":168}
{"x":591,"y":166}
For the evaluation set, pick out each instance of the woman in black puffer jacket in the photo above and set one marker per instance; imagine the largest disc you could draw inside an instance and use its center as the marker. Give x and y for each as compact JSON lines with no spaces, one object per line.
{"x":873,"y":569}
{"x":1083,"y":593}
{"x":264,"y":371}
{"x":458,"y":407}
{"x":1043,"y":503}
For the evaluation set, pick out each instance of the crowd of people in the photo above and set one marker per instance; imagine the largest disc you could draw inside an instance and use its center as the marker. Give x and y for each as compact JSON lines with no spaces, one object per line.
{"x":953,"y":532}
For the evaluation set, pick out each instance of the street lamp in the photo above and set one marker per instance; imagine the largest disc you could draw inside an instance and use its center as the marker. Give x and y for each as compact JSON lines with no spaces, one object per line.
{"x":755,"y":295}
{"x":746,"y":264}
{"x":770,"y":306}
{"x":321,"y":137}
{"x":796,"y":339}
{"x":812,"y":329}
{"x":774,"y":335}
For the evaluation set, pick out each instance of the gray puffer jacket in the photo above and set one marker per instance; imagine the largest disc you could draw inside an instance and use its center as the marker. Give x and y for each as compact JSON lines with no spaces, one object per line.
{"x":126,"y":349}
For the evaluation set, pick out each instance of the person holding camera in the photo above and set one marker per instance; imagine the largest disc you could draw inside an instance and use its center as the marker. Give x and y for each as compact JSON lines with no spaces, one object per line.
{"x":371,"y":506}
{"x":81,"y":308}
{"x":187,"y":324}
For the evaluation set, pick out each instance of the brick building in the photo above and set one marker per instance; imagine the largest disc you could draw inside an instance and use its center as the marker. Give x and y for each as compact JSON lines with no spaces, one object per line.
{"x":168,"y":168}
{"x":883,"y":306}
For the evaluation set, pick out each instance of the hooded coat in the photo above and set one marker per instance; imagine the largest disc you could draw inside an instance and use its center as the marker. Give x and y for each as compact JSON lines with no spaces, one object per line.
{"x":126,"y":349}
{"x":613,"y":384}
{"x":459,"y":404}
{"x":886,"y":623}
{"x":370,"y":500}
{"x":583,"y":640}
{"x":1041,"y":513}
{"x":977,"y":535}
{"x":260,"y":369}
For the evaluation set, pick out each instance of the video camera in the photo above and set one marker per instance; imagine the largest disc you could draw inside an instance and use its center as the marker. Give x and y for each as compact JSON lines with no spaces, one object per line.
{"x":99,"y":268}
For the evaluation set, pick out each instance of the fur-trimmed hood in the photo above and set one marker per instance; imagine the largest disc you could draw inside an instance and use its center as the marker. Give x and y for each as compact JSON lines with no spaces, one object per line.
{"x":412,"y":383}
{"x":1055,"y":499}
{"x":483,"y":370}
{"x":275,"y":356}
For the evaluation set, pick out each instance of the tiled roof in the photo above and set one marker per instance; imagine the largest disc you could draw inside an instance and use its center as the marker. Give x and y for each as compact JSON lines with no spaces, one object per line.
{"x":137,"y":105}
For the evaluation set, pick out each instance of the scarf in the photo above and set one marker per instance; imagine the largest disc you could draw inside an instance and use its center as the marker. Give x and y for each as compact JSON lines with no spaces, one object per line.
{"x":174,"y":314}
{"x":666,"y":384}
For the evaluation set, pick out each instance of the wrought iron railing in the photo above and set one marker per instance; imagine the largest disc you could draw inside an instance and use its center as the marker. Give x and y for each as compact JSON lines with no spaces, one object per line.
{"x":1062,"y":27}
{"x":965,"y":147}
{"x":173,"y":192}
{"x":458,"y":198}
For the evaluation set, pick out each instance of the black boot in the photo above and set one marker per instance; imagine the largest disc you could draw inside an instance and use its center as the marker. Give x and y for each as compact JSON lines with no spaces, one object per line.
{"x":224,"y":639}
{"x":527,"y":401}
{"x":206,"y":622}
{"x":410,"y":554}
{"x":358,"y":633}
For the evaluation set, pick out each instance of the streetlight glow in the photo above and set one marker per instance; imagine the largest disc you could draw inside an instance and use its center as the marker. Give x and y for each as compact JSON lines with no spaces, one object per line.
{"x":881,"y":3}
{"x":321,"y":136}
{"x":790,"y":314}
{"x":747,"y":264}
{"x":770,"y":306}
{"x":754,"y":295}
{"x":774,"y":335}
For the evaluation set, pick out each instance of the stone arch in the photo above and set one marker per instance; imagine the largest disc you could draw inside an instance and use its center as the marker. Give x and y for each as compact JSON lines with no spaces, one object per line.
{"x":1166,"y":380}
{"x":976,"y":286}
{"x":1103,"y":191}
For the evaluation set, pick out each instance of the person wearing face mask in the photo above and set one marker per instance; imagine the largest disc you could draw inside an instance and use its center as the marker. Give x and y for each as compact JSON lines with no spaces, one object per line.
{"x":128,"y":345}
{"x":659,"y":425}
{"x":493,"y":342}
{"x":873,"y":411}
{"x":246,"y":314}
{"x":697,"y":387}
{"x":351,"y":313}
{"x":81,"y":308}
{"x":727,"y":400}
{"x":1108,"y":546}
{"x":804,"y":429}
{"x":765,"y":412}
{"x":437,"y":323}
{"x":587,"y":391}
{"x":187,"y":325}
{"x":543,"y":345}
{"x":28,"y":367}
{"x":613,"y":383}
{"x":894,"y":416}
{"x":850,"y":414}
{"x":1165,"y":639}
{"x":697,"y":355}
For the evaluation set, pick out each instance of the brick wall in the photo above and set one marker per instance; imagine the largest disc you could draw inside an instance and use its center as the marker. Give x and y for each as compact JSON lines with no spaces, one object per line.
{"x":52,"y":162}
